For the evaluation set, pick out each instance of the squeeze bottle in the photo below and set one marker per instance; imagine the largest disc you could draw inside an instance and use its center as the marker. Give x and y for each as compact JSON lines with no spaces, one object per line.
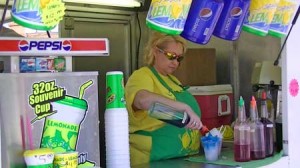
{"x":268,"y":126}
{"x":241,"y":135}
{"x":172,"y":116}
{"x":257,"y":138}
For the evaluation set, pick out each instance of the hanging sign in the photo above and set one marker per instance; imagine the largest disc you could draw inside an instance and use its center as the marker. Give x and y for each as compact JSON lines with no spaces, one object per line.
{"x":54,"y":47}
{"x":53,"y":12}
{"x":38,"y":14}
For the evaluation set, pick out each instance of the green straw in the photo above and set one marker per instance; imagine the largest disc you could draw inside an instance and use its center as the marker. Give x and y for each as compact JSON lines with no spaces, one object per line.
{"x":83,"y":87}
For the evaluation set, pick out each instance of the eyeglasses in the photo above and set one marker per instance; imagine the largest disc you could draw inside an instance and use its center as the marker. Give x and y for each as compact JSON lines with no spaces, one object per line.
{"x":171,"y":56}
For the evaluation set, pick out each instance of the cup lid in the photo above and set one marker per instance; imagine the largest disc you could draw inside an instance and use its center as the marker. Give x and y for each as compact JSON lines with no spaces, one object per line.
{"x":40,"y":151}
{"x":73,"y":101}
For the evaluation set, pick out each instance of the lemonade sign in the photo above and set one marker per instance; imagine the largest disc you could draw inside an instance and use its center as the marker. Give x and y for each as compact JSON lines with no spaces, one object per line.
{"x":283,"y":17}
{"x":168,"y":16}
{"x":63,"y":115}
{"x":37,"y":14}
{"x":260,"y":16}
{"x":53,"y":12}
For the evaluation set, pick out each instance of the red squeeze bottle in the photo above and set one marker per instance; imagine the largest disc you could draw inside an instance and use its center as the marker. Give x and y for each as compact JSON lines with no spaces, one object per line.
{"x":257,"y":136}
{"x":203,"y":130}
{"x":268,"y":125}
{"x":241,"y":135}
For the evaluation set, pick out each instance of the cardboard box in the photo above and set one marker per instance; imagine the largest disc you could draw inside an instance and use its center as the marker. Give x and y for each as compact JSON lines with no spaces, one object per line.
{"x":198,"y":68}
{"x":216,"y":104}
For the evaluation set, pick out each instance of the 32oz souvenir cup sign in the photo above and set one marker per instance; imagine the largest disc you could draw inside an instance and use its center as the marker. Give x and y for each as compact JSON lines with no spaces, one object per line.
{"x":115,"y":90}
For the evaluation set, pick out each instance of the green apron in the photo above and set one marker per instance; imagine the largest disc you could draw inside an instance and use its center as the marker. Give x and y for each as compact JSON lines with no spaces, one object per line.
{"x":170,"y":141}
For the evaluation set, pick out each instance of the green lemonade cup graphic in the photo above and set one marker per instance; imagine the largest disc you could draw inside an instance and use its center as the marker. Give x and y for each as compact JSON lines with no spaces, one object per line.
{"x":61,"y":129}
{"x":115,"y":90}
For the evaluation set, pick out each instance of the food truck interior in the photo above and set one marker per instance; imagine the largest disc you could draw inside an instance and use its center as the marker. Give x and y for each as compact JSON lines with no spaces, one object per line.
{"x":225,"y":62}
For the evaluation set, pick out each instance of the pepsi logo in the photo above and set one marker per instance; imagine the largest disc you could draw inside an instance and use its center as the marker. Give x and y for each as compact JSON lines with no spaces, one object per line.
{"x":205,"y":13}
{"x":23,"y":45}
{"x":236,"y":12}
{"x":67,"y":45}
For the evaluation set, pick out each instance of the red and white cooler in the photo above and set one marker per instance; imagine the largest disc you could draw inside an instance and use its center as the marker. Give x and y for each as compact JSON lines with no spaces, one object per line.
{"x":216,"y":104}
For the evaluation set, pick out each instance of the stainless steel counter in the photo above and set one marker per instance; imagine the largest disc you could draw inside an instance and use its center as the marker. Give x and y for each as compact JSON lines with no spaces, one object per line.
{"x":181,"y":163}
{"x":178,"y":163}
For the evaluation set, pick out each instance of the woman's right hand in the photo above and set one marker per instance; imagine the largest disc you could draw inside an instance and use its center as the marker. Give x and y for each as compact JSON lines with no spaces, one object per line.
{"x":195,"y":122}
{"x":143,"y":100}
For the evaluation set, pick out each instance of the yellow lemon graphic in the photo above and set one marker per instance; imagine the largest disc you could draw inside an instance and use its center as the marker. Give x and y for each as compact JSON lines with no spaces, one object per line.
{"x":270,"y":15}
{"x":186,"y":1}
{"x":43,"y":3}
{"x":59,"y":149}
{"x":288,"y":10}
{"x":185,"y":140}
{"x":256,"y":5}
{"x":195,"y":140}
{"x":286,"y":18}
{"x":285,"y":3}
{"x":176,"y":10}
{"x":72,"y":141}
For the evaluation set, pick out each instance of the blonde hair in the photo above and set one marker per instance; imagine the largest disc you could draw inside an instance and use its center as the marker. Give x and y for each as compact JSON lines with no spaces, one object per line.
{"x":160,"y":40}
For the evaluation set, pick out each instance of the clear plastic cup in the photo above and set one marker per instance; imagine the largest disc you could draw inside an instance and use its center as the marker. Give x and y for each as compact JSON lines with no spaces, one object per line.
{"x":211,"y":147}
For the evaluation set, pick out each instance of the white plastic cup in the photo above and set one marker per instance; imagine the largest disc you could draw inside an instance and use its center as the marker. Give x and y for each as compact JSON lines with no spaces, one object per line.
{"x":120,"y":156}
{"x":211,"y":149}
{"x":42,"y":157}
{"x":117,"y":163}
{"x":220,"y":146}
{"x":114,"y":152}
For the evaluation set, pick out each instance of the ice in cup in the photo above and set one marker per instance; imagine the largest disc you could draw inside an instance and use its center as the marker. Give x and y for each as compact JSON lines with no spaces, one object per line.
{"x":216,"y":132}
{"x":61,"y":129}
{"x":211,"y":146}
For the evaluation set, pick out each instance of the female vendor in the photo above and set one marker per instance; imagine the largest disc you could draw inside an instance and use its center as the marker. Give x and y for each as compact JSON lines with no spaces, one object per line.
{"x":152,"y":139}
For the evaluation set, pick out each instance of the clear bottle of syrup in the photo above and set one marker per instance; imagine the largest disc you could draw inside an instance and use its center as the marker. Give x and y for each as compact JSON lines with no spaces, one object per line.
{"x":257,"y":137}
{"x":268,"y":126}
{"x":241,"y":135}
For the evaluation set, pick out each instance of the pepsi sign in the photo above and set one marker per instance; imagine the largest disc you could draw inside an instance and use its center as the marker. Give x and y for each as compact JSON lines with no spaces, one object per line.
{"x":25,"y":45}
{"x":53,"y":47}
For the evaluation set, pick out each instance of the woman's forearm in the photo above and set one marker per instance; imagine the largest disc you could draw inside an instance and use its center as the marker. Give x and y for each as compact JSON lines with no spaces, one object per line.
{"x":143,"y":100}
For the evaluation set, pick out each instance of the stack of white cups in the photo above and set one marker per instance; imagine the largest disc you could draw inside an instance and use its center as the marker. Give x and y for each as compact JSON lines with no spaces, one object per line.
{"x":117,"y":138}
{"x":116,"y":123}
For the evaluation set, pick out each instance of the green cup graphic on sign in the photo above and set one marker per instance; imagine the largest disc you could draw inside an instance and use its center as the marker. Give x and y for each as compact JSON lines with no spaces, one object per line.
{"x":61,"y":129}
{"x":115,"y":90}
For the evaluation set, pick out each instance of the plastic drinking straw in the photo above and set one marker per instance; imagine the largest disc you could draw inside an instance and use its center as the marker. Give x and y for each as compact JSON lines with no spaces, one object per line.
{"x":223,"y":131}
{"x":221,"y":128}
{"x":83,"y":87}
{"x":22,"y":131}
{"x":29,"y":131}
